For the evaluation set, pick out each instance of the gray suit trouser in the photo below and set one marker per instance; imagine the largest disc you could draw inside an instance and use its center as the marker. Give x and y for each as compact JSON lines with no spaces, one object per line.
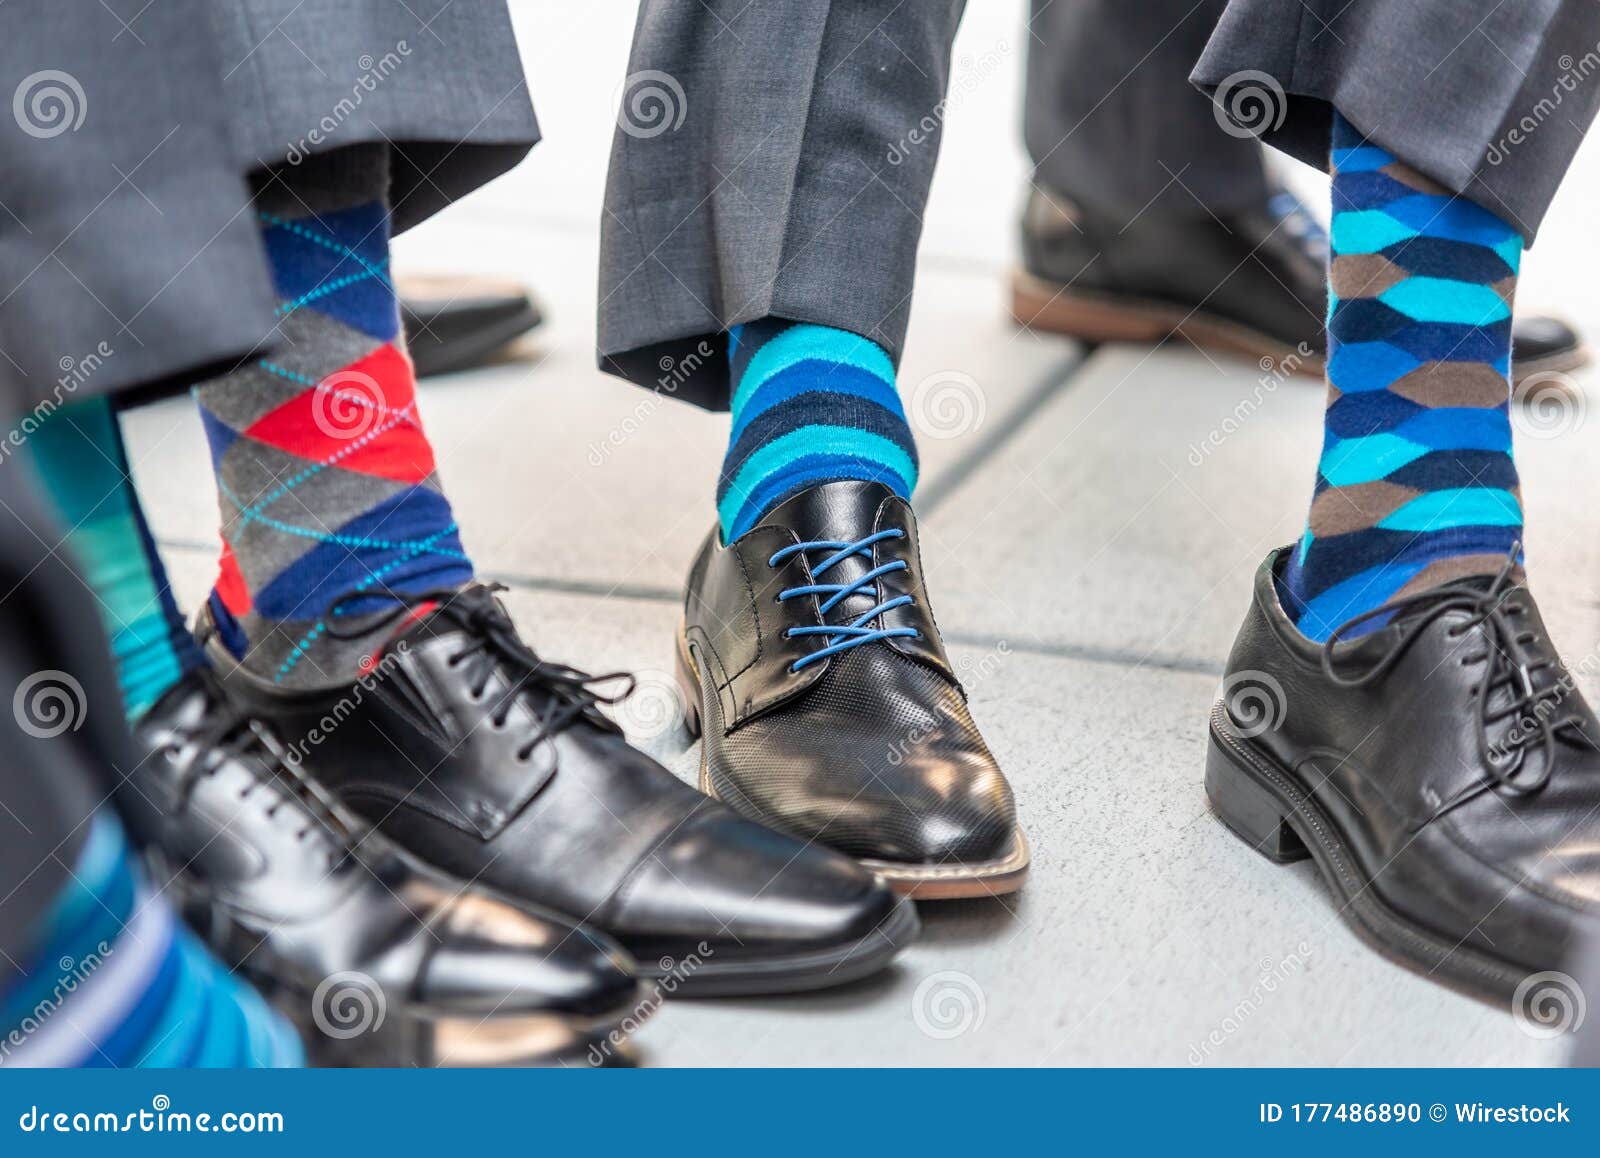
{"x":789,"y":168}
{"x":127,"y":131}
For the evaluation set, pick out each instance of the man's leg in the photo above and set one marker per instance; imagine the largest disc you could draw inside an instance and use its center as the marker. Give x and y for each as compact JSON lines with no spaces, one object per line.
{"x":331,"y":509}
{"x":759,"y":256}
{"x":1393,"y":702}
{"x":1151,"y":212}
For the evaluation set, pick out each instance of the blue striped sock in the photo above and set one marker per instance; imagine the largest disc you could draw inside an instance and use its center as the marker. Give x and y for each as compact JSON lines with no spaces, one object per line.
{"x":115,"y":979}
{"x":811,"y":405}
{"x":80,"y":457}
{"x":1417,"y":485}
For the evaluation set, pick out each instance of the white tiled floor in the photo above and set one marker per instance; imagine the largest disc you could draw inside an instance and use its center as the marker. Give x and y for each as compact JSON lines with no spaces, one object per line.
{"x":1080,"y":552}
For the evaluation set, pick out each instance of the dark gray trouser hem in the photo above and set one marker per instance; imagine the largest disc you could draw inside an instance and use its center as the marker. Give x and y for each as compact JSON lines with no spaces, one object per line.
{"x":786,"y":179}
{"x":1111,"y":120}
{"x":130,"y":261}
{"x":1473,"y":94}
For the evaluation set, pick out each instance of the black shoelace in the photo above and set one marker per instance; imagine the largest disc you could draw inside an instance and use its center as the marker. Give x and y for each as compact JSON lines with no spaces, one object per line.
{"x":492,"y":645}
{"x":1544,"y":707}
{"x":229,"y":732}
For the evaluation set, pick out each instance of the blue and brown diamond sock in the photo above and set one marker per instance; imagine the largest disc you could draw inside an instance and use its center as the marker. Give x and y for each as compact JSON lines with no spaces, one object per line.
{"x":1416,"y":486}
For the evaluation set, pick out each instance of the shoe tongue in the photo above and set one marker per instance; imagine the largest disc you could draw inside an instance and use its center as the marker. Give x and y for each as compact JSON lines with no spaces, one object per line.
{"x":841,"y":511}
{"x":418,"y":622}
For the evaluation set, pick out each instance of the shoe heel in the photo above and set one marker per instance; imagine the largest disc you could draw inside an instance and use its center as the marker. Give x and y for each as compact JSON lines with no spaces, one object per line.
{"x":688,"y":684}
{"x":1255,"y":815}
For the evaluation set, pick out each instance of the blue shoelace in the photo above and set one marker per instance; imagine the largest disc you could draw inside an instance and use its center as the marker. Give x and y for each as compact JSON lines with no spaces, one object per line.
{"x":844,"y":636}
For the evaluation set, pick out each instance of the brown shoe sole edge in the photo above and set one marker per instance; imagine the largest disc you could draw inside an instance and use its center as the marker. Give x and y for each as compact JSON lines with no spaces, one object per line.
{"x":1264,"y":806}
{"x":1092,"y":317}
{"x":941,"y":882}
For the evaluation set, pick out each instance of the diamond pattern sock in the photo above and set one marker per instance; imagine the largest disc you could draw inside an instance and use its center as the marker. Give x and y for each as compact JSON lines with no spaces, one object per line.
{"x":1416,"y":485}
{"x":331,"y":508}
{"x":811,"y":404}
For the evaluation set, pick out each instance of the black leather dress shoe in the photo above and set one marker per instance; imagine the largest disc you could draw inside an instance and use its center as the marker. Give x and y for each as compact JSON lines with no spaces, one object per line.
{"x":827,"y":705}
{"x":1442,"y":771}
{"x":456,"y":323}
{"x":377,"y":958}
{"x":1252,"y":283}
{"x":478,"y":756}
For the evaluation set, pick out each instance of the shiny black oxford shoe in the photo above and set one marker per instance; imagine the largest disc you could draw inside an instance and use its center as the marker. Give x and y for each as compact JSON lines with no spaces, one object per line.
{"x":377,"y":958}
{"x":498,"y":766}
{"x":1251,"y":282}
{"x":827,"y":705}
{"x":1442,"y":771}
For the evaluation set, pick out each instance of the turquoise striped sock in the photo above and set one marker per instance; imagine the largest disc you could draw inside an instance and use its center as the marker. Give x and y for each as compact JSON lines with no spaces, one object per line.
{"x":80,"y":456}
{"x":114,"y":978}
{"x":811,"y":405}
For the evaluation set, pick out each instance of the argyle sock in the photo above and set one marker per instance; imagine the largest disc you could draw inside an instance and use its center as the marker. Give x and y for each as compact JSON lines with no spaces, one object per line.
{"x":1416,"y":485}
{"x":115,"y":979}
{"x":80,"y":457}
{"x":811,"y":404}
{"x":331,"y":510}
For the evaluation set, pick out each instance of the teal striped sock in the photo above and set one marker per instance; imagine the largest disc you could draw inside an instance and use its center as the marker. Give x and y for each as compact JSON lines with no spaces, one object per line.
{"x":811,"y":405}
{"x":80,"y":456}
{"x":115,"y":979}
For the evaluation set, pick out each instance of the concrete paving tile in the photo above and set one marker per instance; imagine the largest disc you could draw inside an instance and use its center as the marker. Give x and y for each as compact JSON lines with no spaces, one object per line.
{"x":1131,"y":512}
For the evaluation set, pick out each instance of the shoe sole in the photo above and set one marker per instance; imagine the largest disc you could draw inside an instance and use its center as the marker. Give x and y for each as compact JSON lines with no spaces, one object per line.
{"x":419,"y":1037}
{"x":1263,"y":804}
{"x":800,"y":972}
{"x":1098,"y":317}
{"x":924,"y":882}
